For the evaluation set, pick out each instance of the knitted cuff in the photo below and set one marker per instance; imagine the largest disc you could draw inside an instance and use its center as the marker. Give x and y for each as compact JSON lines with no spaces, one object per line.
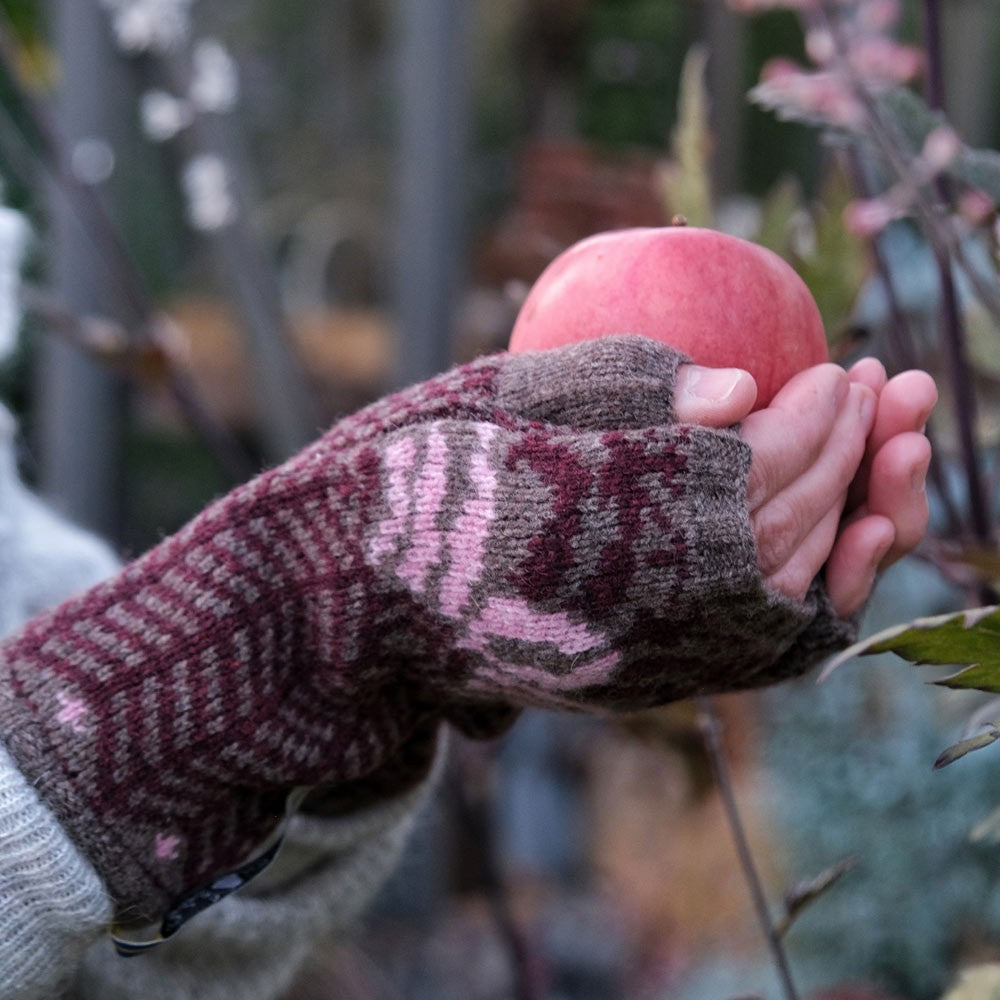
{"x":253,"y":944}
{"x":52,"y":904}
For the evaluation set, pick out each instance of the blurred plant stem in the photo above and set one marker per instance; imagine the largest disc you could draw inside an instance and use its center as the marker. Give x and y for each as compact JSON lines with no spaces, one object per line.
{"x":929,"y":206}
{"x":952,"y":324}
{"x":711,"y":727}
{"x":288,"y":414}
{"x":143,"y":358}
{"x":902,"y":353}
{"x":473,"y":809}
{"x":45,"y":152}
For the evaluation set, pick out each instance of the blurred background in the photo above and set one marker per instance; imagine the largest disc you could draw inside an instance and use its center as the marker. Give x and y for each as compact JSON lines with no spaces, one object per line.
{"x":244,"y":218}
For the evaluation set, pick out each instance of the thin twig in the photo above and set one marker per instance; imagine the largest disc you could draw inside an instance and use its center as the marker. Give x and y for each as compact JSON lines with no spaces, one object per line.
{"x":901,"y":340}
{"x":952,"y":321}
{"x":109,"y":342}
{"x":474,"y":815}
{"x":710,"y":724}
{"x":941,"y":236}
{"x":111,"y":254}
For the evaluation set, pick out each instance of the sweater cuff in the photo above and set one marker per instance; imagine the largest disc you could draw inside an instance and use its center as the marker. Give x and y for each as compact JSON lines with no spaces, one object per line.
{"x":53,"y":905}
{"x":254,"y":943}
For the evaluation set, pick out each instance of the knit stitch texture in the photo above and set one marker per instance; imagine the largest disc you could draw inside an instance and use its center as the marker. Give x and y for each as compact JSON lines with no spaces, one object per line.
{"x":531,"y":530}
{"x":52,"y":903}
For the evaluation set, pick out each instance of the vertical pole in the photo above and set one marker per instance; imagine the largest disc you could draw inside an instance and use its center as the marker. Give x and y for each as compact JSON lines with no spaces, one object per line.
{"x":433,"y":118}
{"x":81,"y":406}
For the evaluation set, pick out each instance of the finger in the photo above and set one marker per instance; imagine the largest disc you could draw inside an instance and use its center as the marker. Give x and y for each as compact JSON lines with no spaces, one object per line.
{"x":713,"y":397}
{"x":794,"y":578}
{"x":788,"y":436}
{"x":855,"y":560}
{"x":898,"y":490}
{"x":905,"y":404}
{"x":781,"y":523}
{"x":870,"y":372}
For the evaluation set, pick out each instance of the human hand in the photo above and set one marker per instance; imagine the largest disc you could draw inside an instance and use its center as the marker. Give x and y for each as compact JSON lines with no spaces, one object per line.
{"x":889,"y":488}
{"x":838,"y":470}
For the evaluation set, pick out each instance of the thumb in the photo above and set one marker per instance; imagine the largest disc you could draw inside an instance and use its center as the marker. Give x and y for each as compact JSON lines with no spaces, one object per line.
{"x":713,"y":397}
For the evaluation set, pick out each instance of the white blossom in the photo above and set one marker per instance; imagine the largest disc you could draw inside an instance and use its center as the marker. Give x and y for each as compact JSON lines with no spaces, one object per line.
{"x":92,"y":160}
{"x":207,"y":186}
{"x":149,"y":25}
{"x":13,"y":238}
{"x":214,"y":80}
{"x":163,"y":115}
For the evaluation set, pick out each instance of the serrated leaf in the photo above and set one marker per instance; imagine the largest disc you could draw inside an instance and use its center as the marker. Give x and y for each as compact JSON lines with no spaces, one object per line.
{"x":970,"y":637}
{"x":912,"y":119}
{"x":973,"y":743}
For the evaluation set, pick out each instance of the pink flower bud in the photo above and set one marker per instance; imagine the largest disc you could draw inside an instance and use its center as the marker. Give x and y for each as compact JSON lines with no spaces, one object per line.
{"x":820,"y":46}
{"x":878,"y":15}
{"x":868,"y":217}
{"x":881,"y":60}
{"x":941,"y":147}
{"x":976,"y":206}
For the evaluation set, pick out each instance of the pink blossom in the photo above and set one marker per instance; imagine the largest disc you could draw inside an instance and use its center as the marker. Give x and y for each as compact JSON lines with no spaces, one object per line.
{"x":976,"y":206}
{"x":941,"y":147}
{"x":821,"y":46}
{"x":825,"y":94}
{"x":762,"y":6}
{"x":879,"y":15}
{"x":869,"y":216}
{"x":881,"y":60}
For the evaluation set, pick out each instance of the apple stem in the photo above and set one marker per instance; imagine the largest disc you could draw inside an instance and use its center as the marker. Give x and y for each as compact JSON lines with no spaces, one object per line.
{"x":679,"y":220}
{"x":711,"y":726}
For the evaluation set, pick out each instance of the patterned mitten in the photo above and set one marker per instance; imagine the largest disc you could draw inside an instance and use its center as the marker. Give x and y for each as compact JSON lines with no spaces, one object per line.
{"x":523,"y":530}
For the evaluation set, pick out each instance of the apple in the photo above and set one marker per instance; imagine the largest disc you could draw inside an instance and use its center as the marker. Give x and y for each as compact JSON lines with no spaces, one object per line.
{"x":723,"y":301}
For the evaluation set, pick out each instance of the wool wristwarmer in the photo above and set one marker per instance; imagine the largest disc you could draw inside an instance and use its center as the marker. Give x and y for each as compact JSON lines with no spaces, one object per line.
{"x":523,"y":530}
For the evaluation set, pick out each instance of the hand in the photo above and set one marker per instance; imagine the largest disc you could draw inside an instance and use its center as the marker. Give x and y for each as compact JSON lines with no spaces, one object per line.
{"x":889,"y":486}
{"x":808,"y":506}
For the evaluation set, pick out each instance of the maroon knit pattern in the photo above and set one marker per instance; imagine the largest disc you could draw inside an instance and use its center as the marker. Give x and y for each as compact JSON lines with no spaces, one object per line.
{"x":437,"y":555}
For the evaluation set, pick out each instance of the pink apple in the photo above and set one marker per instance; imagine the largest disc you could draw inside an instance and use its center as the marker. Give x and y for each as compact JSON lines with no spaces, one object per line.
{"x":725,"y":302}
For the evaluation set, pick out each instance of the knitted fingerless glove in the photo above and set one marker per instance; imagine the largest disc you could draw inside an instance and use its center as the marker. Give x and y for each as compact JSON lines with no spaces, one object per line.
{"x":523,"y":530}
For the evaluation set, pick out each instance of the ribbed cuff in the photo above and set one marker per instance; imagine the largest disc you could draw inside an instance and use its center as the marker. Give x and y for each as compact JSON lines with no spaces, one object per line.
{"x":53,"y":905}
{"x":254,"y":943}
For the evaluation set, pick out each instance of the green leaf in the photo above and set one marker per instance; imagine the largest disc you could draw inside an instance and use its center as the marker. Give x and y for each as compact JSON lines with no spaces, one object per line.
{"x":979,"y":168}
{"x":968,"y":638}
{"x":959,"y":750}
{"x":782,"y":205}
{"x":913,"y":121}
{"x":839,"y":264}
{"x":686,"y":181}
{"x":910,"y":117}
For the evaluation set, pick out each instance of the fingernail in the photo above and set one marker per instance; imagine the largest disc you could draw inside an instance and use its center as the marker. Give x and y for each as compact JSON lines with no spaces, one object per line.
{"x":867,"y":407}
{"x":715,"y":384}
{"x":918,"y":480}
